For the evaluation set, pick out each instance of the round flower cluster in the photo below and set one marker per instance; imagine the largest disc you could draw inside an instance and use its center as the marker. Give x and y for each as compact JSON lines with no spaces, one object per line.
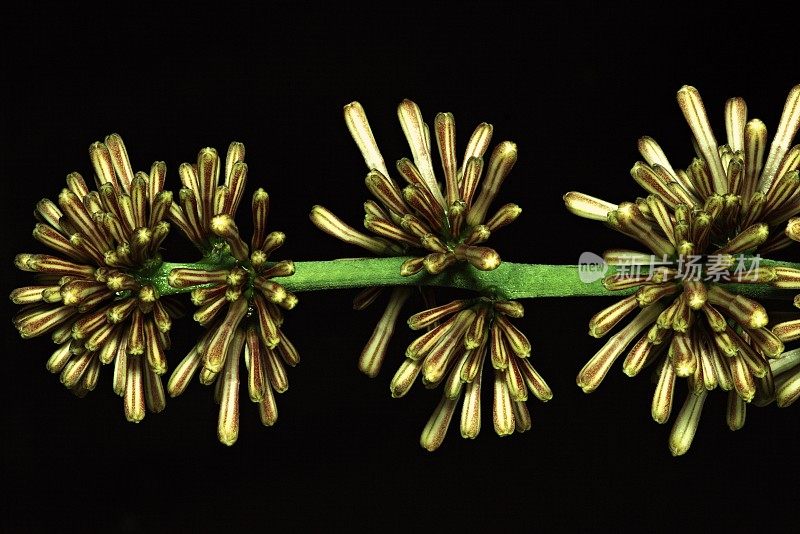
{"x":704,"y":225}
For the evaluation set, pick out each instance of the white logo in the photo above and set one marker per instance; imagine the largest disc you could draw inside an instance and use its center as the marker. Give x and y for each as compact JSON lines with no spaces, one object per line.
{"x":591,"y":267}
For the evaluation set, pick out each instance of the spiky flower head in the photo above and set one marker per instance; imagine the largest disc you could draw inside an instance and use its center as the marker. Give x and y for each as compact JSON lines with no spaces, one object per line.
{"x":240,"y":304}
{"x":440,"y":227}
{"x":94,"y":303}
{"x":695,"y":221}
{"x":453,"y":351}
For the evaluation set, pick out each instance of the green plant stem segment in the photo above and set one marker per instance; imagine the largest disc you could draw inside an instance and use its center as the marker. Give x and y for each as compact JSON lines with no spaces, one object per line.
{"x":508,"y":281}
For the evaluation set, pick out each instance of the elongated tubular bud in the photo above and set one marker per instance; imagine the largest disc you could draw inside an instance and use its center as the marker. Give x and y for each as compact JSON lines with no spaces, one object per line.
{"x":743,"y":310}
{"x":665,"y":390}
{"x":332,"y":225}
{"x":228,"y":419}
{"x":502,"y":411}
{"x":650,"y":181}
{"x":52,"y":238}
{"x":747,"y":239}
{"x":412,"y":224}
{"x":736,"y":411}
{"x":46,"y":264}
{"x":483,"y":258}
{"x":767,"y":342}
{"x":693,"y":110}
{"x":411,"y":174}
{"x":420,"y":347}
{"x":788,"y":391}
{"x":501,"y":162}
{"x":473,"y":364}
{"x":138,"y":196}
{"x":412,"y":266}
{"x":260,"y":209}
{"x":517,"y":341}
{"x":134,"y":401}
{"x":187,"y":367}
{"x":389,"y":231}
{"x":786,"y":278}
{"x":428,"y":317}
{"x":682,"y":356}
{"x":374,"y":352}
{"x":478,"y":329}
{"x":214,"y":357}
{"x":224,"y":226}
{"x":207,"y":180}
{"x":534,"y":381}
{"x":440,"y":356}
{"x":404,"y":377}
{"x":743,"y":381}
{"x":445,"y":127}
{"x":366,"y":297}
{"x":683,"y":431}
{"x":416,"y":133}
{"x":470,"y":177}
{"x":385,"y":190}
{"x":435,"y":430}
{"x":37,"y":322}
{"x":641,"y":354}
{"x":787,"y":331}
{"x":789,"y":123}
{"x":186,"y":223}
{"x":425,"y":206}
{"x":498,"y":348}
{"x":515,"y":381}
{"x":587,"y":206}
{"x":477,"y":145}
{"x":181,"y":278}
{"x":607,"y":318}
{"x":436,"y":262}
{"x":357,"y":123}
{"x":118,"y":156}
{"x":80,"y":217}
{"x":28,"y":294}
{"x":511,"y":308}
{"x":75,"y":369}
{"x":507,"y":214}
{"x":471,"y":410}
{"x":596,"y":368}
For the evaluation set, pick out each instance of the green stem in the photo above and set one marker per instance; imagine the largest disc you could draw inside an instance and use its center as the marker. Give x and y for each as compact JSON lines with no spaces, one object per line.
{"x":509,"y":281}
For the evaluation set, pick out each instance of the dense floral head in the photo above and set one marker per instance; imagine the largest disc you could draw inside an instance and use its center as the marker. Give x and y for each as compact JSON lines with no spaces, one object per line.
{"x":240,"y":304}
{"x":439,"y":227}
{"x":459,"y":337}
{"x":94,"y":302}
{"x":703,"y":226}
{"x":729,"y":200}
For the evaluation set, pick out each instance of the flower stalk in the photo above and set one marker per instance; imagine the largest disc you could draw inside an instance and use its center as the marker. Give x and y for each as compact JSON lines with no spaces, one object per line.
{"x":508,"y":281}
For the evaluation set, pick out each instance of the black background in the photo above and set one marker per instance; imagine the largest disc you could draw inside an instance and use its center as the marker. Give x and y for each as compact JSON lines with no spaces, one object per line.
{"x":573,"y":85}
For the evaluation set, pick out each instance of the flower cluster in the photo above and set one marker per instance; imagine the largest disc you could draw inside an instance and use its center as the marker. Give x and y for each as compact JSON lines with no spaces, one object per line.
{"x":728,"y":201}
{"x":452,"y":352}
{"x":440,"y":227}
{"x":94,"y":302}
{"x":106,"y":295}
{"x":240,"y":304}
